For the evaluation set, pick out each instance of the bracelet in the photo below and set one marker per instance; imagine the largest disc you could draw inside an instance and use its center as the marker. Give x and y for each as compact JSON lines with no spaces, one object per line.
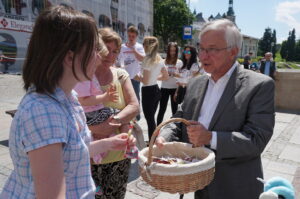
{"x":118,"y":119}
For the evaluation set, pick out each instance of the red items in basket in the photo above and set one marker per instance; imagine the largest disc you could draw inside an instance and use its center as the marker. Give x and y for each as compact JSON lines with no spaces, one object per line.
{"x":170,"y":160}
{"x":176,"y":177}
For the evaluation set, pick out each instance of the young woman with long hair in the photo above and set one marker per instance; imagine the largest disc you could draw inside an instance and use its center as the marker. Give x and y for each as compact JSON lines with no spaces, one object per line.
{"x":189,"y":69}
{"x":50,"y":143}
{"x":111,"y":174}
{"x":153,"y":69}
{"x":168,"y":87}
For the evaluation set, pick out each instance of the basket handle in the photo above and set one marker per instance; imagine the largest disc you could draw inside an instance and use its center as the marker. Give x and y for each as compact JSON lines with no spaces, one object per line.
{"x":156,"y":132}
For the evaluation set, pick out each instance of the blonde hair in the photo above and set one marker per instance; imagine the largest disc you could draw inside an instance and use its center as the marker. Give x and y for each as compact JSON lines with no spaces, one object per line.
{"x":101,"y":47}
{"x":108,"y":35}
{"x":151,"y":49}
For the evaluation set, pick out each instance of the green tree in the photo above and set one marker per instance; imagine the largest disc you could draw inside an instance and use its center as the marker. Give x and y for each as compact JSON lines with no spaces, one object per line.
{"x":273,"y":43}
{"x":195,"y":12}
{"x":283,"y":50}
{"x":297,"y":51}
{"x":264,"y":44}
{"x":169,"y":18}
{"x":291,"y":43}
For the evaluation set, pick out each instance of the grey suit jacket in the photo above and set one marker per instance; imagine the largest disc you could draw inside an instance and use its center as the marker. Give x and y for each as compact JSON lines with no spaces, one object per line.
{"x":244,"y":122}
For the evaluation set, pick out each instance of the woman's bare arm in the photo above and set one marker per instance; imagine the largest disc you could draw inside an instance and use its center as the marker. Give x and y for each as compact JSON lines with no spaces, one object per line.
{"x":164,"y":75}
{"x":47,"y":169}
{"x":104,"y":129}
{"x":109,"y":95}
{"x":144,"y":78}
{"x":132,"y":107}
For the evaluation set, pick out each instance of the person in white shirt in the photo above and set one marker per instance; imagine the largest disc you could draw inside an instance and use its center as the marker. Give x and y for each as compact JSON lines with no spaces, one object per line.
{"x":168,"y":87}
{"x":231,"y":111}
{"x":189,"y":69}
{"x":153,"y":69}
{"x":131,"y":55}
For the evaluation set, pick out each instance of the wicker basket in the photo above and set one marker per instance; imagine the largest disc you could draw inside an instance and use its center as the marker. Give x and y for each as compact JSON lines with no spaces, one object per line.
{"x":176,"y":178}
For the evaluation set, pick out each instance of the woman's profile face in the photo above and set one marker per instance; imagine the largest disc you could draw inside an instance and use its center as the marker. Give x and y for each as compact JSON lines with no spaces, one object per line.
{"x":113,"y":52}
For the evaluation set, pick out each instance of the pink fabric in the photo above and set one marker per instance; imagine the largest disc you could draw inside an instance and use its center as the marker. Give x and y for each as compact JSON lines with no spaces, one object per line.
{"x":98,"y":158}
{"x":89,"y":88}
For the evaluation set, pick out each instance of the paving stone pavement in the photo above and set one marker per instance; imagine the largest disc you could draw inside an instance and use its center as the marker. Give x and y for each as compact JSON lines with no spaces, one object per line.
{"x":281,"y":157}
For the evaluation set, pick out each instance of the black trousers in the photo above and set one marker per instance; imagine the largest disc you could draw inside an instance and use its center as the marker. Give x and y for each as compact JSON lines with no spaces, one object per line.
{"x":165,"y":94}
{"x":150,"y":99}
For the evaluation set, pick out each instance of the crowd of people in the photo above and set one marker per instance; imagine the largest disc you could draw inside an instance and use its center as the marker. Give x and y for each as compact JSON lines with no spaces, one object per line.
{"x":265,"y":65}
{"x":70,"y":137}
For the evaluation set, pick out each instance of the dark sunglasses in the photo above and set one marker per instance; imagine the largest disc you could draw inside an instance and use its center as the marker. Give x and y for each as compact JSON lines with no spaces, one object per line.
{"x":187,"y":52}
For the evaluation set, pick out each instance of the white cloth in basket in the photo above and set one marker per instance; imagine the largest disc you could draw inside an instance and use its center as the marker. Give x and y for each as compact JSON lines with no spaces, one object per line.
{"x":178,"y":149}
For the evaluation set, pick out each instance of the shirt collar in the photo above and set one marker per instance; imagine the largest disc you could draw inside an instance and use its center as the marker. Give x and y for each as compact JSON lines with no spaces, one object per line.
{"x":59,"y":95}
{"x":226,"y":76}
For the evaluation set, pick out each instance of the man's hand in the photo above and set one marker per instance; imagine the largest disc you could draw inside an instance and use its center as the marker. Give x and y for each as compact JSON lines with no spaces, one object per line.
{"x":130,"y":45}
{"x":198,"y":134}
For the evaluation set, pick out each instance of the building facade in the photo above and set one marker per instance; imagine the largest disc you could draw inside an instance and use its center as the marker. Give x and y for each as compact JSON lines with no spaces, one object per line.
{"x":250,"y":44}
{"x":17,"y":18}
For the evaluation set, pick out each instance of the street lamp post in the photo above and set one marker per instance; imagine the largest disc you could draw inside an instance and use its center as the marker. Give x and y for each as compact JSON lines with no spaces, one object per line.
{"x":189,"y":42}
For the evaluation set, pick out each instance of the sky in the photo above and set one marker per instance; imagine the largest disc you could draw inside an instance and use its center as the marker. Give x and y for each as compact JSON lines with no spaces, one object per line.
{"x":254,"y":16}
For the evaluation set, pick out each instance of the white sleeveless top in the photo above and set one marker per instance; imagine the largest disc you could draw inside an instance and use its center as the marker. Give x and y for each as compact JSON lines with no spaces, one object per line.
{"x":154,"y":72}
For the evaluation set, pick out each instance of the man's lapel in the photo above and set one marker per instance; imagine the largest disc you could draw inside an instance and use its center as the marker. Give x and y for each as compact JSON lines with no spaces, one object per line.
{"x":200,"y":94}
{"x":231,"y":88}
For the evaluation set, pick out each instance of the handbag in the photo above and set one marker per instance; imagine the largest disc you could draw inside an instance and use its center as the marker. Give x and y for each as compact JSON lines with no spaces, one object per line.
{"x":137,"y":132}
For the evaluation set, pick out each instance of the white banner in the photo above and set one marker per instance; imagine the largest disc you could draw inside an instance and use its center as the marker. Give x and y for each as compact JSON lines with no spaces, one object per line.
{"x":16,"y":25}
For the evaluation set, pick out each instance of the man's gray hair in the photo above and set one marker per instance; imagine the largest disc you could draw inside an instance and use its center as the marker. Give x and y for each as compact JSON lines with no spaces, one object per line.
{"x":232,"y":34}
{"x":269,"y":53}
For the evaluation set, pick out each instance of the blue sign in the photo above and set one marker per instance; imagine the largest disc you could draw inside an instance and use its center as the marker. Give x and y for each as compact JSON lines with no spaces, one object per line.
{"x":187,"y":32}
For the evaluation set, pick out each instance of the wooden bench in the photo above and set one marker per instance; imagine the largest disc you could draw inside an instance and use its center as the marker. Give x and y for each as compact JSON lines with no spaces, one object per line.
{"x":11,"y":112}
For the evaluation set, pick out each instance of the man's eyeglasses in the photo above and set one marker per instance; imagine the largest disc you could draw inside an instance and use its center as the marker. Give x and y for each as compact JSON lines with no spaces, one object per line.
{"x":211,"y":51}
{"x":187,"y":52}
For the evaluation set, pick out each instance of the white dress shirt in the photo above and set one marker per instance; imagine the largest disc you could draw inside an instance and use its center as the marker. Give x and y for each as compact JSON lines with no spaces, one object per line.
{"x":211,"y":100}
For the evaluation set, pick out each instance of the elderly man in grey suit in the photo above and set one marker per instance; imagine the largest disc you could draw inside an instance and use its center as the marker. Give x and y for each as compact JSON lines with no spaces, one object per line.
{"x":232,"y":112}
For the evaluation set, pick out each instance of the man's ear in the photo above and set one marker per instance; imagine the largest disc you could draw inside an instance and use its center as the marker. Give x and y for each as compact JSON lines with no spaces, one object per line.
{"x":234,"y":52}
{"x":68,"y":60}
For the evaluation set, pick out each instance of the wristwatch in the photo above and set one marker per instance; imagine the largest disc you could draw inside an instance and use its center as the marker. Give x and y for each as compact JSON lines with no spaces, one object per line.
{"x":118,"y":119}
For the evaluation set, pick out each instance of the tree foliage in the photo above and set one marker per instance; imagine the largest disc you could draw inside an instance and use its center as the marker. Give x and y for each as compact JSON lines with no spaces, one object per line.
{"x":273,"y":43}
{"x":291,"y":43}
{"x":169,"y":18}
{"x":283,"y":50}
{"x":297,"y":51}
{"x":290,"y":50}
{"x":268,"y":42}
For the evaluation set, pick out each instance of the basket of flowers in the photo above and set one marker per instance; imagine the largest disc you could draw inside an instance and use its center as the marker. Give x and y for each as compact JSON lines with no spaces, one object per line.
{"x":177,"y":167}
